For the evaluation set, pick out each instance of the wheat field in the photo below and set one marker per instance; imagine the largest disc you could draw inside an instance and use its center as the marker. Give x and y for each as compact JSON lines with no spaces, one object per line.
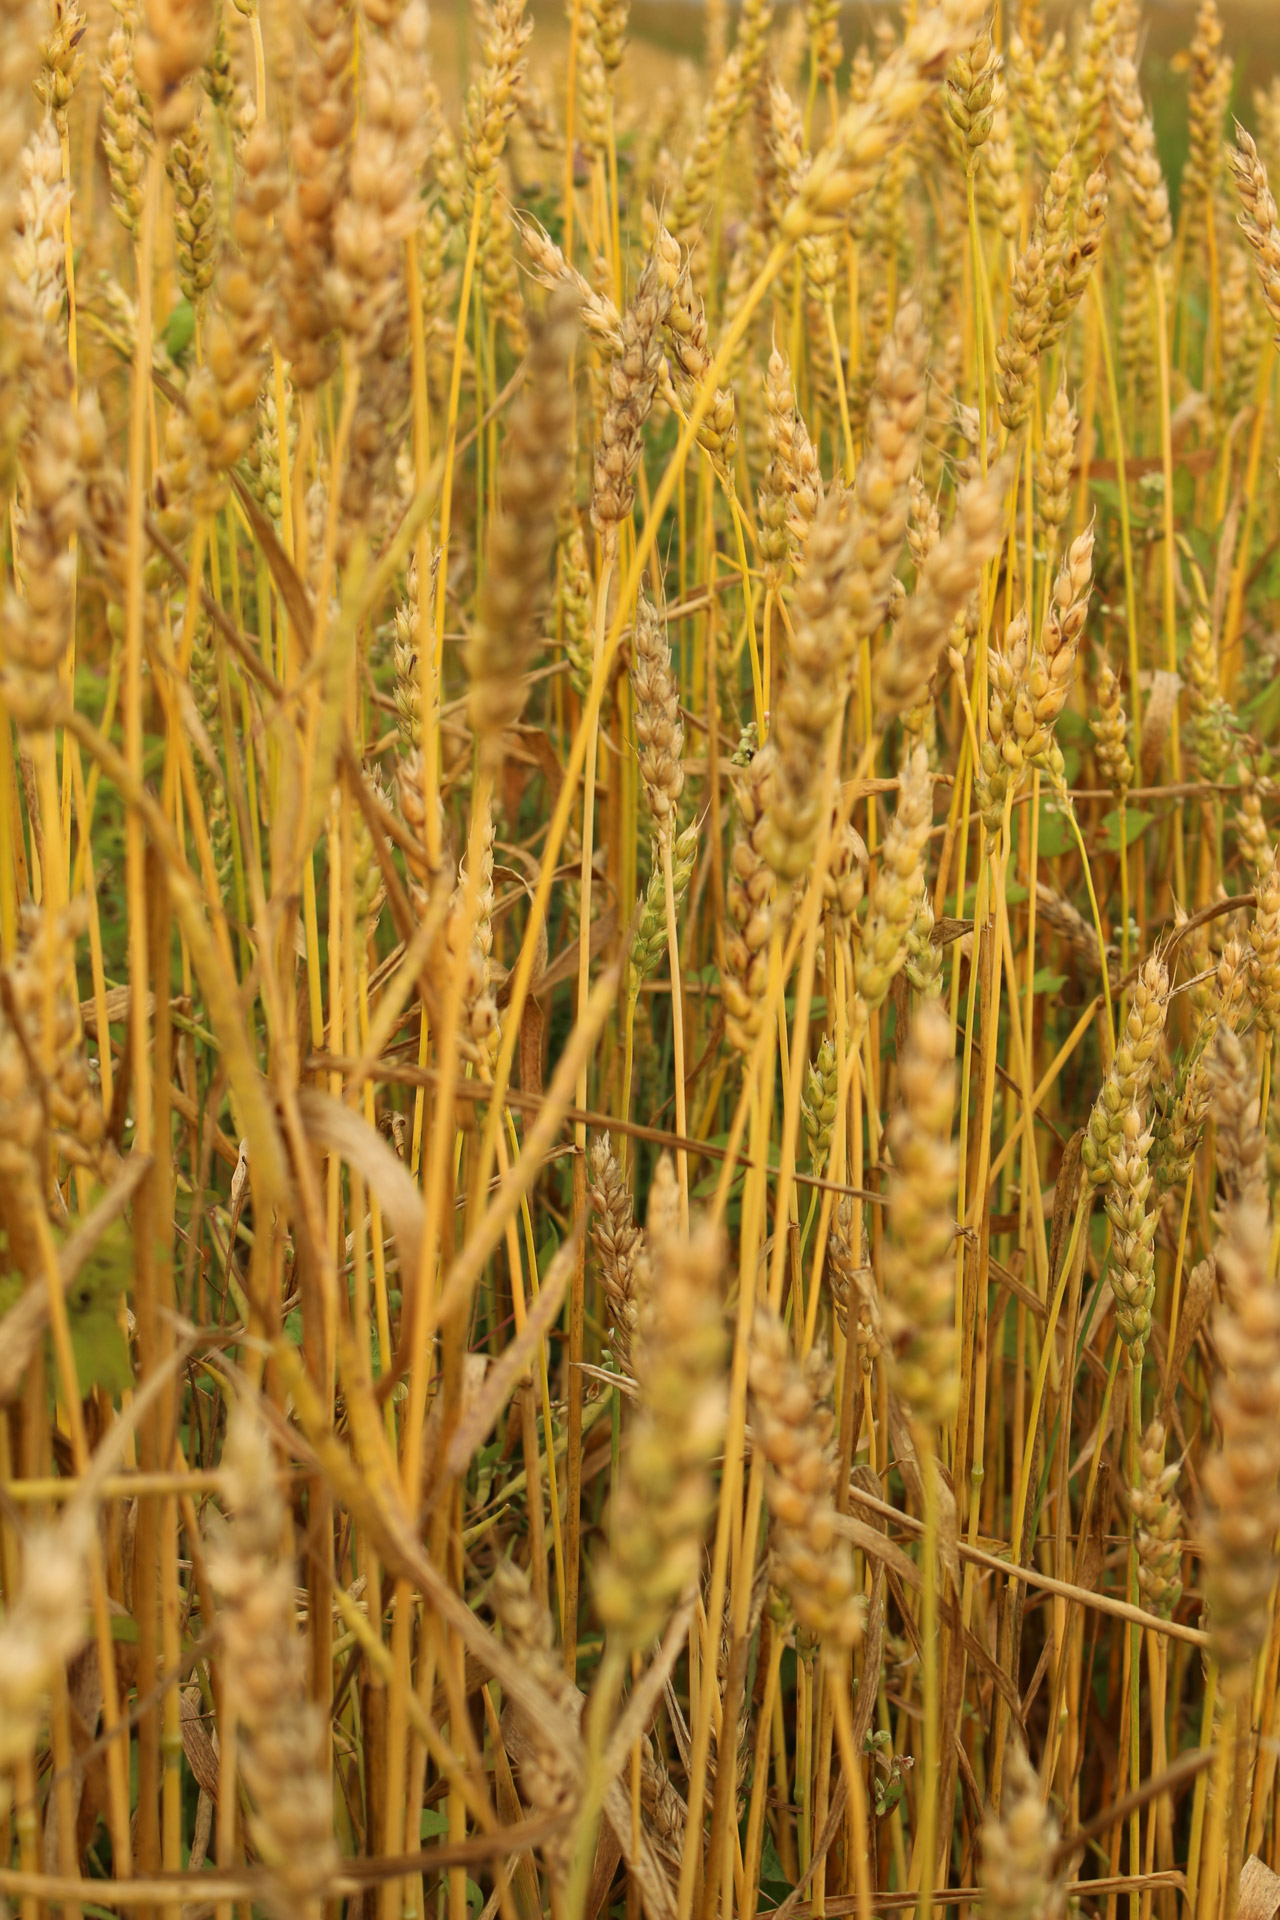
{"x":639,"y":960}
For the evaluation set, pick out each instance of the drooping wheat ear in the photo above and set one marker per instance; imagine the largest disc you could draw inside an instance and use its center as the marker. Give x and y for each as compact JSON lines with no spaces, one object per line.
{"x":1139,"y":164}
{"x":1053,"y":663}
{"x":1208,"y":96}
{"x":1018,"y":354}
{"x":522,"y":535}
{"x":194,"y":219}
{"x":1241,"y":1477}
{"x":44,"y":1623}
{"x":665,"y":1498}
{"x":870,"y":129}
{"x":748,"y":901}
{"x":1258,"y":219}
{"x":548,"y":1774}
{"x":620,"y":1251}
{"x":650,"y":941}
{"x":281,"y":1734}
{"x":1071,"y":274}
{"x":1264,"y":940}
{"x":794,"y":1428}
{"x":1133,"y":1224}
{"x":972,"y":94}
{"x":62,"y":59}
{"x":126,"y":122}
{"x":1053,"y":463}
{"x":1018,"y":1848}
{"x":659,"y":728}
{"x":1239,"y":1144}
{"x":633,"y":381}
{"x":1129,"y":1074}
{"x":1158,"y":1513}
{"x":919,"y":1266}
{"x":1111,"y":734}
{"x":905,"y":667}
{"x":1079,"y":934}
{"x":896,"y":884}
{"x":1212,"y":729}
{"x":600,"y":318}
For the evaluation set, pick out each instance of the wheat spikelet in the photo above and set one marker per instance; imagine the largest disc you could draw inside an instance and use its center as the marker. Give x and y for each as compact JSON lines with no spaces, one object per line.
{"x":1158,"y":1514}
{"x":1208,"y":96}
{"x":1241,"y":1478}
{"x":919,"y":1277}
{"x":904,"y":668}
{"x":1129,"y":1074}
{"x":1017,"y":1848}
{"x":1110,"y":732}
{"x":620,"y":1251}
{"x":665,"y":1497}
{"x":795,"y":1430}
{"x":1258,"y":219}
{"x":633,"y":381}
{"x":659,"y":728}
{"x":281,"y":1735}
{"x":522,"y":535}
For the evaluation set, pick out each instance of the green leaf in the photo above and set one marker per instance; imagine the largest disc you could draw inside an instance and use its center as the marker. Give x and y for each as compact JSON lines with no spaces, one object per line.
{"x":102,"y":1353}
{"x":1135,"y":820}
{"x":772,"y":1874}
{"x":1045,"y":981}
{"x":1055,"y":832}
